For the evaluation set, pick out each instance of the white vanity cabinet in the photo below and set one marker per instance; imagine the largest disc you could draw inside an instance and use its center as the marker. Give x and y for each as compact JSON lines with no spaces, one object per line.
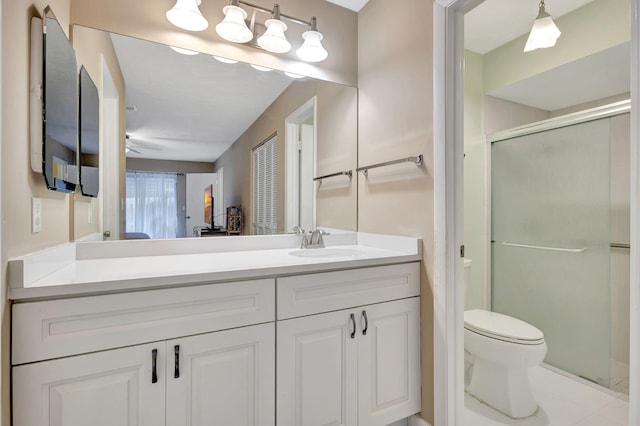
{"x":305,"y":349}
{"x":225,"y":378}
{"x":214,"y":377}
{"x":105,"y":388}
{"x":357,"y":366}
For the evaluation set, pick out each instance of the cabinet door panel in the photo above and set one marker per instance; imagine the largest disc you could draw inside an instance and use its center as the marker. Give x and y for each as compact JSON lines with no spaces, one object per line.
{"x":225,"y":378}
{"x":102,"y":389}
{"x":389,"y":382}
{"x":317,"y":371}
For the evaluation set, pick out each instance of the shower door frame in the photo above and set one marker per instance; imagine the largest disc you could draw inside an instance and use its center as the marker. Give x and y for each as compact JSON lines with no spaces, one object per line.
{"x":448,"y":120}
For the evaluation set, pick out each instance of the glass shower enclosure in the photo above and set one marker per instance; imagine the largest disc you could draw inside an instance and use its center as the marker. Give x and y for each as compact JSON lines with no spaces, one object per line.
{"x":550,"y":242}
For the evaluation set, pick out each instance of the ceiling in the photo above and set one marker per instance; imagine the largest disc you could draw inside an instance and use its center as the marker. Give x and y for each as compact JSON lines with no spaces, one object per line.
{"x":601,"y":75}
{"x":354,"y":5}
{"x":189,"y":108}
{"x":496,"y":22}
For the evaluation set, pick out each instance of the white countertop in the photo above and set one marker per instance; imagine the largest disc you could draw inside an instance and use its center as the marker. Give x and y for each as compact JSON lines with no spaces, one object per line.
{"x":53,"y":274}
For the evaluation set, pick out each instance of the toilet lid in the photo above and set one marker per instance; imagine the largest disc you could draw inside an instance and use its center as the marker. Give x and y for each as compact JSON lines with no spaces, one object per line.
{"x":502,"y":327}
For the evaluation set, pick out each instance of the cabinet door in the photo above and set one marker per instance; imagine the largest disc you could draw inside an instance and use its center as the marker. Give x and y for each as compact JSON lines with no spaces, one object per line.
{"x":106,"y":388}
{"x":389,"y":361}
{"x":317,"y":371}
{"x":222,"y":378}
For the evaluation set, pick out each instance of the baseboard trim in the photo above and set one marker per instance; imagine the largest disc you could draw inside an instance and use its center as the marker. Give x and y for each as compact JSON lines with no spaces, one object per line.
{"x":417,"y":421}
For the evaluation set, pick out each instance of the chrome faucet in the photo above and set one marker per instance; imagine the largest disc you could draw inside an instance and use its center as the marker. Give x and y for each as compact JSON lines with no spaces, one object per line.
{"x":313,"y":240}
{"x":297,"y":230}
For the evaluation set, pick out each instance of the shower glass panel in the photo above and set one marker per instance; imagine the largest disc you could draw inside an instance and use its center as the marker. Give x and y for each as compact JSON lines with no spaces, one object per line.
{"x":550,"y":241}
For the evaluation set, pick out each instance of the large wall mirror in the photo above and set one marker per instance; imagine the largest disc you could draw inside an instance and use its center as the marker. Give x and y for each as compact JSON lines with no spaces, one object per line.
{"x":202,"y":130}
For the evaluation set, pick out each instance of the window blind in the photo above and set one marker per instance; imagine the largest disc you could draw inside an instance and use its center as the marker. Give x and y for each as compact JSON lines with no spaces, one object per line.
{"x":265,"y":188}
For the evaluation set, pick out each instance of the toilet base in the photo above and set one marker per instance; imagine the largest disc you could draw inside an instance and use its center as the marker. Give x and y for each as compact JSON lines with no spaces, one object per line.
{"x":502,"y":387}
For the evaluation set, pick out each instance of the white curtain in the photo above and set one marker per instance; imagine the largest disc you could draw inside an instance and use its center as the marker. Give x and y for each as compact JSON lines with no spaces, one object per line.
{"x":152,"y":204}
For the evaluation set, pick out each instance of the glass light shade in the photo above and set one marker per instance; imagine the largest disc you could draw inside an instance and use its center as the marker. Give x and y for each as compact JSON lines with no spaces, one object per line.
{"x":233,"y":27}
{"x":312,"y":50}
{"x":293,"y":75}
{"x":544,"y":33}
{"x":224,"y":60}
{"x":274,"y":39}
{"x":261,"y":68}
{"x":186,"y":15}
{"x":184,"y":51}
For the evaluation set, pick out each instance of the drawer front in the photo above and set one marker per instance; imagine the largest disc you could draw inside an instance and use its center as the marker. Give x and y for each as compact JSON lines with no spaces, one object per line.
{"x":314,"y":293}
{"x":51,"y":329}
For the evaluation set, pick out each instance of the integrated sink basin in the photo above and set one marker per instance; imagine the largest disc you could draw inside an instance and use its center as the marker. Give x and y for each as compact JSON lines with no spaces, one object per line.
{"x":327,"y":252}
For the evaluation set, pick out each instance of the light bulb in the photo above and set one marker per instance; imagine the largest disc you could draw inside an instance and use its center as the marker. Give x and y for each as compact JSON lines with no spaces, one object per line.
{"x":274,"y":39}
{"x":312,"y":50}
{"x":186,"y":15}
{"x":233,"y":28}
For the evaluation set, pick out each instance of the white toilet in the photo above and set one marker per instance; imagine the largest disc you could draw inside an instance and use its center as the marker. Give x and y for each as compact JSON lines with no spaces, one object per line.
{"x":501,"y":349}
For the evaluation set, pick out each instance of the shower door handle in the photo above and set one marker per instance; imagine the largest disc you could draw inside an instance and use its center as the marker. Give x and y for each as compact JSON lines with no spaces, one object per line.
{"x":566,"y":250}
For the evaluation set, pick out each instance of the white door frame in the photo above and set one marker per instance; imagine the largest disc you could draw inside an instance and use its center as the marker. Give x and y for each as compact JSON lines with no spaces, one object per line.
{"x":291,"y":137}
{"x":448,"y":51}
{"x":109,"y":155}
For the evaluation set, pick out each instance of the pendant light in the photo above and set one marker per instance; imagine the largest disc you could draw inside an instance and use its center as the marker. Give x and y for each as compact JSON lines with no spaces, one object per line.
{"x":274,"y":40}
{"x":186,"y":15}
{"x":233,"y":28}
{"x":312,"y":50}
{"x":544,"y":33}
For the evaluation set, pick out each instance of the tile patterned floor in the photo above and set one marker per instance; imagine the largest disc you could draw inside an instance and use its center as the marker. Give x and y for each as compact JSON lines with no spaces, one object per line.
{"x":562,"y":402}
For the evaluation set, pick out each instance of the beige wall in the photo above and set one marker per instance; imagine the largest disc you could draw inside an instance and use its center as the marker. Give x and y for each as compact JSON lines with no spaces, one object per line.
{"x":336,"y":150}
{"x":395,"y":120}
{"x":91,"y":47}
{"x":168,"y":166}
{"x":19,"y":183}
{"x":146,"y":19}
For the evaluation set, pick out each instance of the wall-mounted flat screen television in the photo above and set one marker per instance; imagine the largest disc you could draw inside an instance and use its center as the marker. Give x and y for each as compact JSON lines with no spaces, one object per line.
{"x":209,"y":207}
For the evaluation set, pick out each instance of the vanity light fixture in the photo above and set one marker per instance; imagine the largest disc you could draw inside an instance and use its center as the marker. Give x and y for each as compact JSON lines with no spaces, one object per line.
{"x":185,"y":14}
{"x":312,"y":50}
{"x":233,"y":27}
{"x":544,"y":33}
{"x":274,"y":40}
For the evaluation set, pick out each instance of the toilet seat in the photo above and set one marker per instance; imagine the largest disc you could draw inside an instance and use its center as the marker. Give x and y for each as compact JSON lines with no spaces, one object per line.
{"x":502,"y":327}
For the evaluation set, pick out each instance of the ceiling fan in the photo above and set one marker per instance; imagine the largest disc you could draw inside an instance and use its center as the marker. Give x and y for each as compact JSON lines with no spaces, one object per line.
{"x":134,"y":145}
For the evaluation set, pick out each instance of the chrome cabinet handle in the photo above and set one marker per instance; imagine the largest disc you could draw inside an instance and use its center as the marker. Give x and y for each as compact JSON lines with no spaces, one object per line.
{"x":353,"y":324}
{"x":366,"y":323}
{"x":154,"y":366}
{"x":176,"y":352}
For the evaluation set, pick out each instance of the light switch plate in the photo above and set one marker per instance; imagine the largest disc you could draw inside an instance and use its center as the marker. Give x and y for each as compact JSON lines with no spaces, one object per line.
{"x":36,"y":215}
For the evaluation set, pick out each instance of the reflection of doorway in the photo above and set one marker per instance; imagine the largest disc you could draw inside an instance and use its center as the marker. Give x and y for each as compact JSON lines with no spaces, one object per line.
{"x":196,"y":184}
{"x":110,"y":156}
{"x":300,"y":137}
